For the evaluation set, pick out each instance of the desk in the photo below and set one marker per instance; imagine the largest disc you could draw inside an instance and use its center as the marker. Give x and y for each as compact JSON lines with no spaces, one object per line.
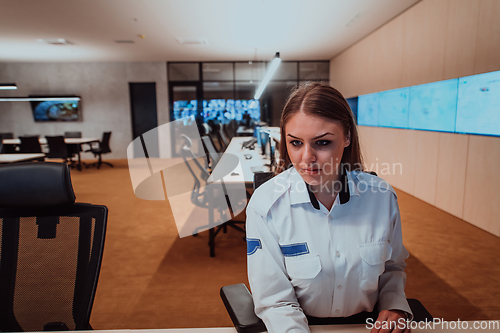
{"x":242,"y":131}
{"x":13,"y":158}
{"x":234,"y":148}
{"x":68,"y":141}
{"x":314,"y":329}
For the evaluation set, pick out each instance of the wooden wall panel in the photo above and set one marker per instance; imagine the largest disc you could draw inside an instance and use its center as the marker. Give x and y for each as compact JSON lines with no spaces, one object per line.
{"x":424,"y":42}
{"x":426,"y":166}
{"x":452,"y":164}
{"x":394,"y":157}
{"x":482,"y":184}
{"x":441,"y":39}
{"x":488,"y":37}
{"x":366,"y":135}
{"x":461,"y":35}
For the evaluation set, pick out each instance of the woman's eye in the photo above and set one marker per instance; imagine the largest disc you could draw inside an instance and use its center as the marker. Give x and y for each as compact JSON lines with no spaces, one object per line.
{"x":295,"y":143}
{"x":323,"y":143}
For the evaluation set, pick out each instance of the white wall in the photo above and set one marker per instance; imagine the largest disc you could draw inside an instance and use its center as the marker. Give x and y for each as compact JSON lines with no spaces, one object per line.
{"x":104,"y":91}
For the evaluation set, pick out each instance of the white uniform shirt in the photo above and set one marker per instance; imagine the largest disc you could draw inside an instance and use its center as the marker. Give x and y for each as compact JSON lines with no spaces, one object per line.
{"x":303,"y":258}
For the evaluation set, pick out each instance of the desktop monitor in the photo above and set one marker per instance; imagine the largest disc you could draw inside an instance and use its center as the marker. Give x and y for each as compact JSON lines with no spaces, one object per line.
{"x":264,"y":139}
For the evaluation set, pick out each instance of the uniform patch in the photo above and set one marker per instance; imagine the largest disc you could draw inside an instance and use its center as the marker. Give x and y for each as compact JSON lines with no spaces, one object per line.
{"x":253,"y":244}
{"x":293,"y":250}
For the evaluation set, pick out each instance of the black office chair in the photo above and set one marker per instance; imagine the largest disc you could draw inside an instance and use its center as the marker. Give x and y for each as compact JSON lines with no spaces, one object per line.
{"x":73,"y":134}
{"x":51,"y":250}
{"x":240,"y":307}
{"x":7,"y":149}
{"x":203,"y":198}
{"x":59,"y":149}
{"x":102,"y":148}
{"x":30,"y":144}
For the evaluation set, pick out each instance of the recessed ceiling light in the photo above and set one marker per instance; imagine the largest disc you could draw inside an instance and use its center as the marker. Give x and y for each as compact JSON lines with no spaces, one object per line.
{"x":192,"y":41}
{"x":8,"y":86}
{"x":55,"y":41}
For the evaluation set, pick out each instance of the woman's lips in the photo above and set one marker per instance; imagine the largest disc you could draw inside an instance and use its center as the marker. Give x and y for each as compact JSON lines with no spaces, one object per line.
{"x":311,"y":171}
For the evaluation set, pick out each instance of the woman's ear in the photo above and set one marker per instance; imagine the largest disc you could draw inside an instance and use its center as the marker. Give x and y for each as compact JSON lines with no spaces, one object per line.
{"x":347,"y":139}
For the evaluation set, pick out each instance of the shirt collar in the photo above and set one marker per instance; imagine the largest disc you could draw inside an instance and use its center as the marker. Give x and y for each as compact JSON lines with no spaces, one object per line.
{"x":300,"y":192}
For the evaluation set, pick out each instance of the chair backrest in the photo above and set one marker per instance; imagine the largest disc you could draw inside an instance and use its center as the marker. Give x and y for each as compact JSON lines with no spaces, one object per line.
{"x":260,"y":178}
{"x":212,"y":152}
{"x":57,"y":147}
{"x":6,"y":136}
{"x":223,"y":135}
{"x":104,"y":145}
{"x":72,"y":134}
{"x":197,"y":171}
{"x":30,"y":144}
{"x":51,"y":250}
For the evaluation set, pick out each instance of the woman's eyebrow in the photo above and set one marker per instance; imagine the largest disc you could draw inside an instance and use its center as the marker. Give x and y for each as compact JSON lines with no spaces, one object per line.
{"x":317,"y":137}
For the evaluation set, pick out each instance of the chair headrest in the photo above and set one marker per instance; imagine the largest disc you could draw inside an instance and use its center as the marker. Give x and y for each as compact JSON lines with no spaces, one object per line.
{"x":37,"y":184}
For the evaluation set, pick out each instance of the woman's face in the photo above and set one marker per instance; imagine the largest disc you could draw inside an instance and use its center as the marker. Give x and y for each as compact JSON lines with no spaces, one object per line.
{"x":315,"y":146}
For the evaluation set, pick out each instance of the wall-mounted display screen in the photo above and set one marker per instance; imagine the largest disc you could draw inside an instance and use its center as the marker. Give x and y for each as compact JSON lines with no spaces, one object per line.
{"x":368,"y":109}
{"x":56,"y":108}
{"x":478,"y":109}
{"x":433,"y":106}
{"x":393,"y":105}
{"x":464,"y":105}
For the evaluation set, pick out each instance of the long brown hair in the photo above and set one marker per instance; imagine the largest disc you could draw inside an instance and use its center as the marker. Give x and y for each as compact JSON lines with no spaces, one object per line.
{"x":325,"y":101}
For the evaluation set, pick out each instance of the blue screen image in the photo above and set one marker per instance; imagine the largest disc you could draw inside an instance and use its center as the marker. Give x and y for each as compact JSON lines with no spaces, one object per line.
{"x":433,"y":106}
{"x":393,"y":108}
{"x":368,"y":109}
{"x":478,"y":109}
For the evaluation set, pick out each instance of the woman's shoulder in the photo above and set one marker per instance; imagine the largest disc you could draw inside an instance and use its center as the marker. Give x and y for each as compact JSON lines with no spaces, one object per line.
{"x":267,"y":194}
{"x":365,"y":181}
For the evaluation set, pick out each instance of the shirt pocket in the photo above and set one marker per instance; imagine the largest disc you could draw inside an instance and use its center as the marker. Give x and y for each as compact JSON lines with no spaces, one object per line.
{"x":374,"y":256}
{"x":303,"y":267}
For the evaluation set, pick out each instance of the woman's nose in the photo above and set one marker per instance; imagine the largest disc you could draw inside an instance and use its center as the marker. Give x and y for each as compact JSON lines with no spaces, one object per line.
{"x":309,"y":154}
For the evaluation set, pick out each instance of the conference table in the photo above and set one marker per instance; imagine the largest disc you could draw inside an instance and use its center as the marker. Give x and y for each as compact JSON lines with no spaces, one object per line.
{"x":14,"y":158}
{"x":68,"y":141}
{"x":248,"y":159}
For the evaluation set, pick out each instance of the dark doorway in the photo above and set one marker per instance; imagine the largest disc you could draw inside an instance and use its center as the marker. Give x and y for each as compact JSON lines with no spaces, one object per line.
{"x":144,"y":116}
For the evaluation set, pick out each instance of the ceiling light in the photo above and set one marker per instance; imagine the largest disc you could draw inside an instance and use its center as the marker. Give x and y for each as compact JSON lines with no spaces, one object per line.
{"x":55,"y":41}
{"x":270,"y":72}
{"x":35,"y":99}
{"x":8,"y":86}
{"x":192,"y":41}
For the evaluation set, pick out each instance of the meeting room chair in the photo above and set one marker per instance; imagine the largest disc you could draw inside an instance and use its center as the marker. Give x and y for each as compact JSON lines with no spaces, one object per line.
{"x":59,"y":149}
{"x":30,"y":144}
{"x":213,"y":155}
{"x":202,"y":199}
{"x":51,"y":250}
{"x":76,"y":135}
{"x":7,"y":149}
{"x":99,"y":150}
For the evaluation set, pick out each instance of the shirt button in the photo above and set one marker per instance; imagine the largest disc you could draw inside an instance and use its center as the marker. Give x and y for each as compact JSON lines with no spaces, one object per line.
{"x":330,"y":217}
{"x":339,"y":287}
{"x":337,"y":254}
{"x":337,"y":311}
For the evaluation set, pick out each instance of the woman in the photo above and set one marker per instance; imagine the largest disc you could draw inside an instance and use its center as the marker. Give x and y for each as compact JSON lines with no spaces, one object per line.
{"x":324,"y":238}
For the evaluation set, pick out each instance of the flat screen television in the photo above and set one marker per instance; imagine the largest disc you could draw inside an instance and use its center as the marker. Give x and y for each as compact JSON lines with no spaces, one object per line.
{"x":56,"y":108}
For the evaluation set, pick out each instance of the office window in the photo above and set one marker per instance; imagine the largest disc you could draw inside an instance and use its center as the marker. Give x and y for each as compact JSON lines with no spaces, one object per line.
{"x":250,"y":71}
{"x":213,"y":71}
{"x":314,"y":70}
{"x":183,"y":71}
{"x":286,"y":71}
